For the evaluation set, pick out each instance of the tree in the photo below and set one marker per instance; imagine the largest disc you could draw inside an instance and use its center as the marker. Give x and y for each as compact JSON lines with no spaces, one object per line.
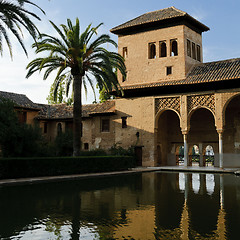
{"x":59,"y":96}
{"x":17,"y":140}
{"x":78,"y":58}
{"x":13,"y":16}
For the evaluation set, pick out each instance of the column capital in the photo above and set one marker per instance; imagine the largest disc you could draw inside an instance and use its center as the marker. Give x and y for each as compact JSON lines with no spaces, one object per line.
{"x":185,"y":132}
{"x":220,"y":131}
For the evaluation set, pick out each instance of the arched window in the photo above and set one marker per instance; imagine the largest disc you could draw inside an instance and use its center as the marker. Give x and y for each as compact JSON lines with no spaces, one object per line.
{"x":152,"y":50}
{"x":59,"y":128}
{"x":163,"y":49}
{"x":174,"y":47}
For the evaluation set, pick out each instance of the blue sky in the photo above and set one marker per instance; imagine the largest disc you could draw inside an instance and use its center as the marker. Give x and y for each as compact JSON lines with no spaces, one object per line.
{"x":221,"y":42}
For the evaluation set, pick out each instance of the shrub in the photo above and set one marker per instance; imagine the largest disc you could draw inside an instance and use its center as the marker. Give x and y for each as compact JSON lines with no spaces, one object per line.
{"x":17,"y":139}
{"x":119,"y":151}
{"x":35,"y":167}
{"x":64,"y":143}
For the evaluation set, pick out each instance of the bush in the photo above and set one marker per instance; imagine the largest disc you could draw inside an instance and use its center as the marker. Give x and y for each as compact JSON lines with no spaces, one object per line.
{"x":119,"y":151}
{"x":35,"y":167}
{"x":18,"y":140}
{"x":64,"y":144}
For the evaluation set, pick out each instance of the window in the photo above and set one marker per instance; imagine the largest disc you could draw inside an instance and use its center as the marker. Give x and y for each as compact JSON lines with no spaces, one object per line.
{"x":105,"y":125}
{"x":198,"y":53}
{"x":86,"y":146}
{"x":188,"y":48}
{"x":125,"y":52}
{"x":169,"y":70}
{"x":174,"y":47}
{"x":152,"y":51}
{"x":124,"y":122}
{"x":22,"y":117}
{"x":45,"y":127}
{"x":59,"y":128}
{"x":193,"y":50}
{"x":163,"y":49}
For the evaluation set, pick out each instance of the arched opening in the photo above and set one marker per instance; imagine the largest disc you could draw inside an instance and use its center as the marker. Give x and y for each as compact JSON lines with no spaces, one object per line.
{"x":163,"y":49}
{"x":152,"y":50}
{"x":231,"y":134}
{"x":203,"y":134}
{"x":174,"y":48}
{"x":169,"y":136}
{"x":180,"y":155}
{"x":208,"y":156}
{"x":194,"y":155}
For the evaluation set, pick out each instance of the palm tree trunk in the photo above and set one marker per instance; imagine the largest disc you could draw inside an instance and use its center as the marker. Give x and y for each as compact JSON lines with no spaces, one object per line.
{"x":77,"y":114}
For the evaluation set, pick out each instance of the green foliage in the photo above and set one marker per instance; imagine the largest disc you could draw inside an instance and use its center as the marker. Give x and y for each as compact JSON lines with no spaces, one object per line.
{"x":64,"y":144}
{"x":17,"y":139}
{"x":14,"y":15}
{"x":57,"y":96}
{"x":78,"y":59}
{"x":104,"y":95}
{"x":35,"y":167}
{"x":119,"y":151}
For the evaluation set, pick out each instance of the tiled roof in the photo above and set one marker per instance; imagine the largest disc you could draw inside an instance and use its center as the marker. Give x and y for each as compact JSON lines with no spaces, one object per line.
{"x":158,"y":16}
{"x":20,"y":100}
{"x":63,"y":111}
{"x":201,"y":73}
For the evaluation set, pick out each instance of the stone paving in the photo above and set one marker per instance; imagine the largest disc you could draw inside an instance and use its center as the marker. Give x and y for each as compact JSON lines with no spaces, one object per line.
{"x":26,"y":181}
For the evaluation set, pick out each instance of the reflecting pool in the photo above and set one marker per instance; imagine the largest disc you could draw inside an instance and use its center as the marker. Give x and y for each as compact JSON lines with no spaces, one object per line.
{"x":139,"y":206}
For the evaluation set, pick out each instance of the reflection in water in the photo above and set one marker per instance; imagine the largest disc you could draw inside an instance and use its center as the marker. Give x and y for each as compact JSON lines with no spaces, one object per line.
{"x":196,"y":182}
{"x":210,"y":183}
{"x":182,"y":181}
{"x":142,"y":206}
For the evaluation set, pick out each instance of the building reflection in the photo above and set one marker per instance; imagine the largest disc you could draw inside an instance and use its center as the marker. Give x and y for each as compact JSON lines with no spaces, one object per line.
{"x":145,"y":206}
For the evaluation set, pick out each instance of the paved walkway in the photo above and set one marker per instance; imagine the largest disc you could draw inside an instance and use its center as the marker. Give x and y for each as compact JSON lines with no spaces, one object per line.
{"x":26,"y":181}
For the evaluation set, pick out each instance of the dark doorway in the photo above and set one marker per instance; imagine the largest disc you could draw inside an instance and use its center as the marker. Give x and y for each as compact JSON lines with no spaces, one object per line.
{"x":138,"y":154}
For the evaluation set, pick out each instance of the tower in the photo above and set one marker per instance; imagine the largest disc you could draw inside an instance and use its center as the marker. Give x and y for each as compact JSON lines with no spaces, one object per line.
{"x":159,"y":46}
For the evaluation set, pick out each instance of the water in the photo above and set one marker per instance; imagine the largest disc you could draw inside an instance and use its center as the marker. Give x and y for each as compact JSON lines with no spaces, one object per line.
{"x":140,"y":206}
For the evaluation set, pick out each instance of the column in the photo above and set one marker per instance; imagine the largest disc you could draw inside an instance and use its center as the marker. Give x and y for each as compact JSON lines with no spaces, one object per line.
{"x":200,"y":145}
{"x":185,"y":150}
{"x":220,"y":150}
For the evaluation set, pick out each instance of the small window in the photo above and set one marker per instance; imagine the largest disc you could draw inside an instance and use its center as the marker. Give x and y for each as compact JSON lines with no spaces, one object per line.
{"x":105,"y":125}
{"x":59,"y":128}
{"x":45,"y":127}
{"x":124,"y":122}
{"x":193,"y":50}
{"x":169,"y":70}
{"x":189,"y":48}
{"x":198,"y":53}
{"x":86,"y":146}
{"x":163,"y":49}
{"x":174,"y":47}
{"x":125,"y":52}
{"x":152,"y":51}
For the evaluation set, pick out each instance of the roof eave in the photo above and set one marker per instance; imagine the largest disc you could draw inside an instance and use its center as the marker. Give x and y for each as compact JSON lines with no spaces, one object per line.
{"x":163,"y":23}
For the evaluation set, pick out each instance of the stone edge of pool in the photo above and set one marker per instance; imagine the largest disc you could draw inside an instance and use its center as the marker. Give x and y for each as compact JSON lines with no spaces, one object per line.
{"x":35,"y":180}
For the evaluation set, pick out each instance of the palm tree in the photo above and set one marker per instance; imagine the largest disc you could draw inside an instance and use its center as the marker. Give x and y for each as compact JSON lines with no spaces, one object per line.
{"x":13,"y":16}
{"x":78,"y":61}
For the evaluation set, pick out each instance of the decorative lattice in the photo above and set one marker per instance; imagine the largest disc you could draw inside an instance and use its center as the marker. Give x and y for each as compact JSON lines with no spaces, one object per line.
{"x":207,"y":101}
{"x":167,"y":103}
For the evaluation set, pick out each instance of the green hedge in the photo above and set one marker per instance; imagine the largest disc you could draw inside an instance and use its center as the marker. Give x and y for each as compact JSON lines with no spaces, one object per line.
{"x":52,"y":166}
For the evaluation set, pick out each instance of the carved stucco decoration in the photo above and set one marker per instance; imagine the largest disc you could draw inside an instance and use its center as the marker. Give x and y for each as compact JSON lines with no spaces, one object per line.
{"x":196,"y":101}
{"x":167,"y":103}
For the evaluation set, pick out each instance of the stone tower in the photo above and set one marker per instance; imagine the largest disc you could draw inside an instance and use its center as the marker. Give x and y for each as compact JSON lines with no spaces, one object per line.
{"x":159,"y":46}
